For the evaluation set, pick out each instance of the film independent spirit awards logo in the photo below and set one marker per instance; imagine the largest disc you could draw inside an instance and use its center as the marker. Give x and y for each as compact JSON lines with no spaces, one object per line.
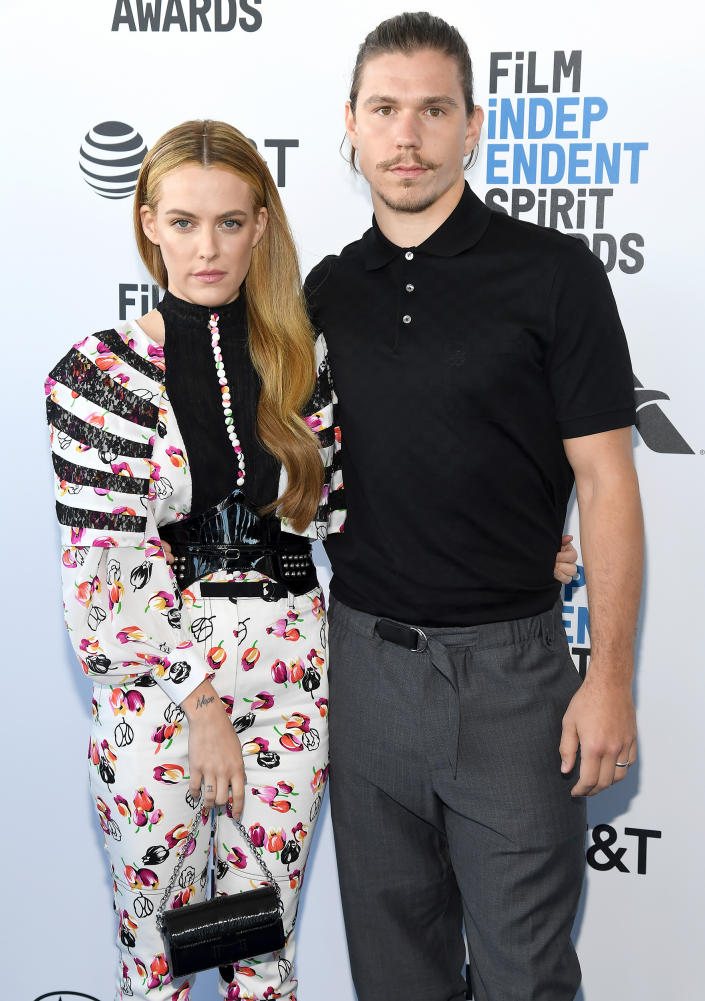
{"x":110,"y":158}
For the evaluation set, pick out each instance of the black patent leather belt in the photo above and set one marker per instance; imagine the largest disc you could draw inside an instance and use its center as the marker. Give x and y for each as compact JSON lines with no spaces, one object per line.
{"x":233,"y":537}
{"x":292,"y":567}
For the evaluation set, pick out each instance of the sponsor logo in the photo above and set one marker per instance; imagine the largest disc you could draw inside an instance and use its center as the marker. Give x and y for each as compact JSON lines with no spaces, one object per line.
{"x":110,"y":158}
{"x":64,"y":996}
{"x":130,"y":295}
{"x":544,"y":147}
{"x":187,"y":15}
{"x":604,"y":854}
{"x":576,"y":622}
{"x":654,"y":427}
{"x":112,"y":153}
{"x":281,"y":146}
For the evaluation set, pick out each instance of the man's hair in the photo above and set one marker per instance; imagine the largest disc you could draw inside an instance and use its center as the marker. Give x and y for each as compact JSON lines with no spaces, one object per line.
{"x":407,"y":33}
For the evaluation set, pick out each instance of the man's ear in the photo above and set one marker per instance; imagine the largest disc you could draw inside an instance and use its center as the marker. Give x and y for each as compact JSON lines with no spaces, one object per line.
{"x":473,"y":129}
{"x":351,"y":125}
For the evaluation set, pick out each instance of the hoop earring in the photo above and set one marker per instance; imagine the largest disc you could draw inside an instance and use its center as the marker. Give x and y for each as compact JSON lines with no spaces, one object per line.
{"x":473,"y":158}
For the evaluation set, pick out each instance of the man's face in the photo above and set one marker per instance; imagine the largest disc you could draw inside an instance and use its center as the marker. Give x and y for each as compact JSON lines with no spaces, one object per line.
{"x":410,"y":127}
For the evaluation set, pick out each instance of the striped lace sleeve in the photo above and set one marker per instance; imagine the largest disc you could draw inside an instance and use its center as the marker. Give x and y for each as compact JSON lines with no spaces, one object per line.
{"x":320,"y":415}
{"x":102,"y":403}
{"x":124,"y":613}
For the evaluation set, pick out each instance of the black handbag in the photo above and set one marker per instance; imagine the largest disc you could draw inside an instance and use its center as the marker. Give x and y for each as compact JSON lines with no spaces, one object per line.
{"x":223,"y":930}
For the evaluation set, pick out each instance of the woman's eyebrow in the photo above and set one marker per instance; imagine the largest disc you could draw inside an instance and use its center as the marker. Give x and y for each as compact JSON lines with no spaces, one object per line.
{"x":191,"y":215}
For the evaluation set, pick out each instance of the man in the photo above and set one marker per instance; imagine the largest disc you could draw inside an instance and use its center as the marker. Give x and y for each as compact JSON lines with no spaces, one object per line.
{"x":481,"y":367}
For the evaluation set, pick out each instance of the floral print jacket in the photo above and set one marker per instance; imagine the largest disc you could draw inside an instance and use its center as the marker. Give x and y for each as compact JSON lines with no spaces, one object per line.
{"x":122,"y":471}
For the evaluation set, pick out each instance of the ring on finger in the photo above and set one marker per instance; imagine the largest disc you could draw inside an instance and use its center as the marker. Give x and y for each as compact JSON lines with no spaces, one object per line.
{"x":622,"y":764}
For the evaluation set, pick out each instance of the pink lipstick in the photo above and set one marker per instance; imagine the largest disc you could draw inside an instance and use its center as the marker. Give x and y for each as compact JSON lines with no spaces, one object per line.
{"x":208,"y":277}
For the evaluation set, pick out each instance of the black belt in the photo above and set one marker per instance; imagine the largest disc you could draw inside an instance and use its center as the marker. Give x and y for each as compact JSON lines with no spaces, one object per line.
{"x":410,"y":637}
{"x":266,"y":590}
{"x":291,"y":567}
{"x":233,"y":537}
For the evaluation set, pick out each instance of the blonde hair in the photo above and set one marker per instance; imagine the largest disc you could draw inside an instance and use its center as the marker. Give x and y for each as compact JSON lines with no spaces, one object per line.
{"x":280,"y":335}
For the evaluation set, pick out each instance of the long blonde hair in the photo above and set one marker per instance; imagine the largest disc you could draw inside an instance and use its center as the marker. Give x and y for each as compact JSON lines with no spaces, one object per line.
{"x":280,"y":335}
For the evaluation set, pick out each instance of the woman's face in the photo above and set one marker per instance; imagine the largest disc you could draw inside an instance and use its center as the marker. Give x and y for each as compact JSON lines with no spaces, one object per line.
{"x":206,"y":227}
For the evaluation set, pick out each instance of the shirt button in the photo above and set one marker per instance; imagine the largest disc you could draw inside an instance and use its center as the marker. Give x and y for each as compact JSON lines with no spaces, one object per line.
{"x":409,"y":287}
{"x":406,"y":319}
{"x":409,"y":255}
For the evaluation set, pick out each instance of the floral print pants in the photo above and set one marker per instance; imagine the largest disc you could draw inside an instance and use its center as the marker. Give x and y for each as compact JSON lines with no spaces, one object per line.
{"x":268,"y":663}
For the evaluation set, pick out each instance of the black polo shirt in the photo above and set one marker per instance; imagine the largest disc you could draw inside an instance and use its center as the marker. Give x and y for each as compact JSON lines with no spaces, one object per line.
{"x":460,"y":365}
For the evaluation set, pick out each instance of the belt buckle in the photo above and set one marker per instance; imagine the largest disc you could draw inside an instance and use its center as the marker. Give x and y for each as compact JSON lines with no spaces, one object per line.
{"x":422,"y":636}
{"x":401,"y":634}
{"x":231,"y":554}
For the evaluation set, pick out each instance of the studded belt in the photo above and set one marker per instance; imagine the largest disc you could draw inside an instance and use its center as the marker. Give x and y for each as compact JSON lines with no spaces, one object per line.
{"x":235,"y":538}
{"x":293,"y":568}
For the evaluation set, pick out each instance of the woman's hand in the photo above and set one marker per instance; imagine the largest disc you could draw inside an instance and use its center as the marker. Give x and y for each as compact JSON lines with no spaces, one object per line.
{"x":566,"y":561}
{"x":170,"y":556}
{"x":214,"y":752}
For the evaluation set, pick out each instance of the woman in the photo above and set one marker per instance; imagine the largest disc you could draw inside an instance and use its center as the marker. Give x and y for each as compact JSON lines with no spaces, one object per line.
{"x":187,"y":425}
{"x":214,"y":679}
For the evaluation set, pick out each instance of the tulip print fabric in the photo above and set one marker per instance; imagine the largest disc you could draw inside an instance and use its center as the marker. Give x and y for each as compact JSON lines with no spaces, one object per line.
{"x":123,"y":609}
{"x":267,"y":661}
{"x":121,"y":472}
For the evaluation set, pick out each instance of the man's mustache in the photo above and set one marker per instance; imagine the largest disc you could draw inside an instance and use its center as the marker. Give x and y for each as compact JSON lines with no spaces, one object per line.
{"x":406,"y":161}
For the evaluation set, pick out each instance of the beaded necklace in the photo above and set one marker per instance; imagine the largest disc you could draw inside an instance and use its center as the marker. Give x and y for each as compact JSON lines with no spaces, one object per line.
{"x":226,"y":398}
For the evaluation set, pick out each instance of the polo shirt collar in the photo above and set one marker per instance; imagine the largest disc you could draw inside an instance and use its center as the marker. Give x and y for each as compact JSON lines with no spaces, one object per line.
{"x":460,"y":231}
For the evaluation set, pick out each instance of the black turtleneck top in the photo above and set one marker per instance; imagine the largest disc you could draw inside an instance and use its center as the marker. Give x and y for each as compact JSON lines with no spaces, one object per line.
{"x":195,"y":394}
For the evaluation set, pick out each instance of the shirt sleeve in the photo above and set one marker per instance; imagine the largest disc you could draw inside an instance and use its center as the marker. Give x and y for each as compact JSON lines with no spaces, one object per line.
{"x":320,"y":415}
{"x":123,"y":610}
{"x":125,"y":616}
{"x":312,"y":288}
{"x":588,"y":366}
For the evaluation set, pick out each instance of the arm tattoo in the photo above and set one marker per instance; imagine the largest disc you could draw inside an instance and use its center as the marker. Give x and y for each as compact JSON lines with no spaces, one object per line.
{"x":203,"y":701}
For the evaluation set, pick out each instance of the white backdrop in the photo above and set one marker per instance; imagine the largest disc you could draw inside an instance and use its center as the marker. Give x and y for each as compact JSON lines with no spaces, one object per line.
{"x":67,"y":254}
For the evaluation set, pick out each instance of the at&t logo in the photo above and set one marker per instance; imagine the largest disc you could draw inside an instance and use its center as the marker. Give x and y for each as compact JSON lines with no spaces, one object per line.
{"x":112,"y":154}
{"x":605,"y":854}
{"x":110,"y":159}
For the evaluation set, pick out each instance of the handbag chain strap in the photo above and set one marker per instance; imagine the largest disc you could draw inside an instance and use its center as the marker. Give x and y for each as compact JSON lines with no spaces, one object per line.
{"x":182,"y":858}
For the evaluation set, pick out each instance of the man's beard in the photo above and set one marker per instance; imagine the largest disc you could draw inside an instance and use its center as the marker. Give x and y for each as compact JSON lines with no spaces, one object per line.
{"x":408,"y":200}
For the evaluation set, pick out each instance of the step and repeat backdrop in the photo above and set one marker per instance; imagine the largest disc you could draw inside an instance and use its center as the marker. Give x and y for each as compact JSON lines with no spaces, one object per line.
{"x":593,"y":126}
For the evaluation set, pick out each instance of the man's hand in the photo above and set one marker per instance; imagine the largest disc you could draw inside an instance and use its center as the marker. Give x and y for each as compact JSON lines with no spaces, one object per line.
{"x":601,"y":718}
{"x":566,"y":566}
{"x":214,"y":752}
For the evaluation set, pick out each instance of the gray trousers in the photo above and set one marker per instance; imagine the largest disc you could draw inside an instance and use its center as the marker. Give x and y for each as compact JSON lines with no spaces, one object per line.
{"x":448,"y":806}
